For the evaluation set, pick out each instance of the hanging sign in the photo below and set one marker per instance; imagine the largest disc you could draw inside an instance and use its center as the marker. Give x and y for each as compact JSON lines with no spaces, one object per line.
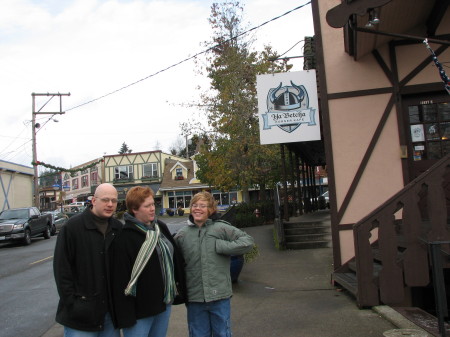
{"x":288,"y":107}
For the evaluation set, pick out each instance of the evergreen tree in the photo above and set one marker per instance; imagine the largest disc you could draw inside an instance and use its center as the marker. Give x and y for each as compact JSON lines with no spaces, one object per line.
{"x":48,"y":178}
{"x":124,"y":149}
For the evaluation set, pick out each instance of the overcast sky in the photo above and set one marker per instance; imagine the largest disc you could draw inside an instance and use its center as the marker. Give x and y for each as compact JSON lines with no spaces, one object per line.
{"x":90,"y":48}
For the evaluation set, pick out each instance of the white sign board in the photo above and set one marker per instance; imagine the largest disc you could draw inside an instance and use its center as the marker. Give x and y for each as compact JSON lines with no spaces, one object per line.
{"x":288,"y":108}
{"x":417,"y":134}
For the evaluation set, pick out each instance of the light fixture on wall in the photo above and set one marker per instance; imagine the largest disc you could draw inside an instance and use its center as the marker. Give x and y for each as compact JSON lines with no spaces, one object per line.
{"x":374,"y":18}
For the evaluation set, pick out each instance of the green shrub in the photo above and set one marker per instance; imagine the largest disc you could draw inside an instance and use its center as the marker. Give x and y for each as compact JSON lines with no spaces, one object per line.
{"x":252,"y":254}
{"x":247,"y":216}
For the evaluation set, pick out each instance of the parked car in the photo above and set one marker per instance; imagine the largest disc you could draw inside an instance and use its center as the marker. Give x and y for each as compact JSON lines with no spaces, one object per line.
{"x":71,"y":210}
{"x":77,"y":203}
{"x":23,"y":224}
{"x":59,"y":219}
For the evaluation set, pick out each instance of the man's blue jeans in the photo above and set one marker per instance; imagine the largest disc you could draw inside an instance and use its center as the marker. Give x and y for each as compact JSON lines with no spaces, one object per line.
{"x":108,"y":330}
{"x":206,"y":319}
{"x":153,"y":326}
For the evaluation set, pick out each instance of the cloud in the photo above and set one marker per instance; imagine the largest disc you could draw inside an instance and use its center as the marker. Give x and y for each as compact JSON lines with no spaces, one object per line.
{"x":91,"y":48}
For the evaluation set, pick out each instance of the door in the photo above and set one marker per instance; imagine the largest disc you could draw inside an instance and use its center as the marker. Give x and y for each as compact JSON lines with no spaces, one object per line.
{"x":428,"y":130}
{"x":36,"y":221}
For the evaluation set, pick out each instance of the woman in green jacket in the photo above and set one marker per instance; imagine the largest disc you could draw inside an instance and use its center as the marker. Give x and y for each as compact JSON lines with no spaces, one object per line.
{"x":207,"y":244}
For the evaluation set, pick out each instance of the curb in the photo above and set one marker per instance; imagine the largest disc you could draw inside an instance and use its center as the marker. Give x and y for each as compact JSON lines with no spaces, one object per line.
{"x":396,"y":318}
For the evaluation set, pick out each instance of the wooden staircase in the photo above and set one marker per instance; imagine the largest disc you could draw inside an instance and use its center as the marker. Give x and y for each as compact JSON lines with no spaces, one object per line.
{"x":391,"y":243}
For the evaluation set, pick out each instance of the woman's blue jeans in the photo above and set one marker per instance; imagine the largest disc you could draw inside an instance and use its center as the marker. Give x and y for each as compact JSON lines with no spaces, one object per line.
{"x":206,"y":319}
{"x":153,"y":326}
{"x":108,"y":330}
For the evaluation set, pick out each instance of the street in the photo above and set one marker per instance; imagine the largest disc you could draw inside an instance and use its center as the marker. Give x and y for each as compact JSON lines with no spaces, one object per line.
{"x":27,"y":287}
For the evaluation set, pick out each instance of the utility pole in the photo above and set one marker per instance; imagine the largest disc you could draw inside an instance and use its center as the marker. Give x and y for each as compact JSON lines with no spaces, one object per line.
{"x":35,"y":126}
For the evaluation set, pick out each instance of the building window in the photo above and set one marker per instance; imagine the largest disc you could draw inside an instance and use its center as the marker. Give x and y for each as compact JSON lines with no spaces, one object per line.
{"x":84,"y":181}
{"x":123,"y":172}
{"x":180,"y":199}
{"x":94,"y":178}
{"x":179,"y":174}
{"x":75,"y":184}
{"x":150,"y":170}
{"x":430,"y":130}
{"x":225,"y":198}
{"x":67,"y":184}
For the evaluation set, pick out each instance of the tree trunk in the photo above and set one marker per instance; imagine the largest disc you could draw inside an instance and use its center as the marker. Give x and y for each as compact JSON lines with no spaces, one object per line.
{"x":262,"y":192}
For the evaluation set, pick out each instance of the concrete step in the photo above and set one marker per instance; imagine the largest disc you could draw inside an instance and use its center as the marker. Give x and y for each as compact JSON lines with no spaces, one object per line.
{"x":308,"y":244}
{"x":303,"y":224}
{"x":308,"y":237}
{"x":306,"y":234}
{"x":307,"y":230}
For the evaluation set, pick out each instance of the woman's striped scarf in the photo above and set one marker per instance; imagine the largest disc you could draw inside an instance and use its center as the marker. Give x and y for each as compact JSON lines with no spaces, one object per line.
{"x":153,"y":238}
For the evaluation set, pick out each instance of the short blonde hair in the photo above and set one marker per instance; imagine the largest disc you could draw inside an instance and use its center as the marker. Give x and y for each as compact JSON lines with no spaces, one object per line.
{"x":205,"y":196}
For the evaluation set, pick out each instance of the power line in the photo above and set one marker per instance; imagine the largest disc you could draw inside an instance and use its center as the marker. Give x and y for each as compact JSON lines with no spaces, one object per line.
{"x":287,"y":51}
{"x":188,"y":58}
{"x":14,"y":139}
{"x":154,"y":74}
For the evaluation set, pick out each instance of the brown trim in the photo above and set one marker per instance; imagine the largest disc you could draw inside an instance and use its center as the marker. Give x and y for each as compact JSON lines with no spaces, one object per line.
{"x":326,"y":128}
{"x":405,"y":90}
{"x":366,"y":92}
{"x":421,"y":66}
{"x":366,"y":158}
{"x":383,"y":65}
{"x":436,"y":16}
{"x":421,"y":88}
{"x":402,"y":36}
{"x":398,"y":106}
{"x":346,"y":227}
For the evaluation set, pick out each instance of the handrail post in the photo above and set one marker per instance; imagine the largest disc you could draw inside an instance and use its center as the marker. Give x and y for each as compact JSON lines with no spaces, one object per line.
{"x":440,"y":296}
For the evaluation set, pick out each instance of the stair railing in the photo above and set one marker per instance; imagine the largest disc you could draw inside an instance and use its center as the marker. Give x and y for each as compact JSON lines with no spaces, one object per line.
{"x":440,"y":294}
{"x":393,"y":235}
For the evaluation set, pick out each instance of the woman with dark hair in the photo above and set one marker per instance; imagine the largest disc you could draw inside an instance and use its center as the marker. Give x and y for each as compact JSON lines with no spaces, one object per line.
{"x":148,"y":269}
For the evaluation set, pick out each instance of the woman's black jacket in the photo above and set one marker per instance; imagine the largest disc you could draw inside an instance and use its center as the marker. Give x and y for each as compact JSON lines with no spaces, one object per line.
{"x":149,"y":300}
{"x":81,"y":267}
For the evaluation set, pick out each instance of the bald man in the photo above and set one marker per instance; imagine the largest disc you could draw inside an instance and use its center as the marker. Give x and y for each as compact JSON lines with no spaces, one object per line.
{"x":81,"y":267}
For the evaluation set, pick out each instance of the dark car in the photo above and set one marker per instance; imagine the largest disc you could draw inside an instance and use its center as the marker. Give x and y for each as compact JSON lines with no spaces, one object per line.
{"x":21,"y":224}
{"x":59,"y":219}
{"x":71,"y":210}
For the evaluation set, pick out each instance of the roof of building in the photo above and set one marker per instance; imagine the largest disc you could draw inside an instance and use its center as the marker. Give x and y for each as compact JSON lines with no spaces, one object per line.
{"x":189,"y":182}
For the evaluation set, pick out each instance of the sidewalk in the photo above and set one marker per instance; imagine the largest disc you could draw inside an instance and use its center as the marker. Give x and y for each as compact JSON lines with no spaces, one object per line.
{"x":289,"y":294}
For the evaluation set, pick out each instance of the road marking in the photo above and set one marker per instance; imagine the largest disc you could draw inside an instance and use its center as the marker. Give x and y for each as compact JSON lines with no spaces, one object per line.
{"x":41,"y":260}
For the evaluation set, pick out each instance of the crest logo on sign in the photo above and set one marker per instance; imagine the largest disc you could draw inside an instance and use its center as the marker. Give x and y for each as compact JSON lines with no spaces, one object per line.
{"x":288,"y":108}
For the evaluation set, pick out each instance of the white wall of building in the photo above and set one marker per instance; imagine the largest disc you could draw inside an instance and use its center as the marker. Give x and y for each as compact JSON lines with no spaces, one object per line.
{"x":16,"y":185}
